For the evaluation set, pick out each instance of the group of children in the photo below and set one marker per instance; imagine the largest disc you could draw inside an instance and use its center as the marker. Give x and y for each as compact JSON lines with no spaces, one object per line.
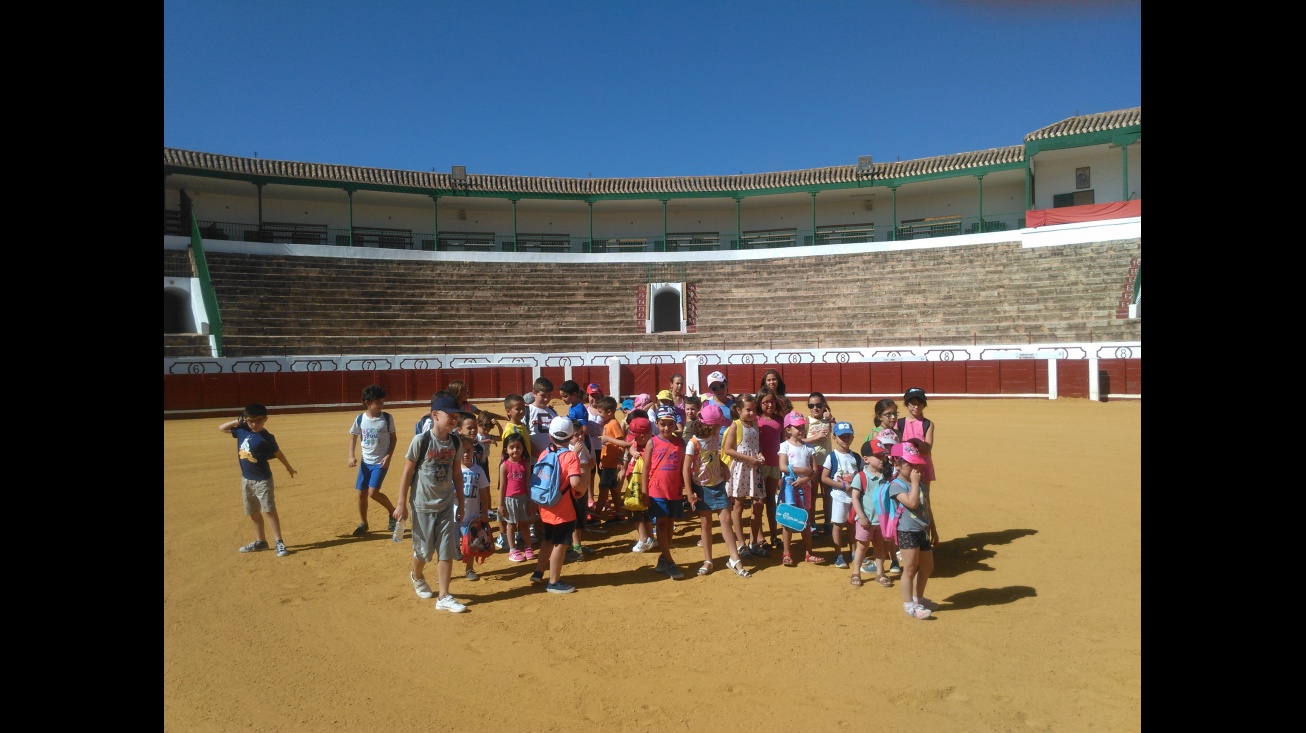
{"x":670,"y":458}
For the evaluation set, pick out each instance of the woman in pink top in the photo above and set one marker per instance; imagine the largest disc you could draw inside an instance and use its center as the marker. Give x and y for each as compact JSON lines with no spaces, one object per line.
{"x":769,"y":435}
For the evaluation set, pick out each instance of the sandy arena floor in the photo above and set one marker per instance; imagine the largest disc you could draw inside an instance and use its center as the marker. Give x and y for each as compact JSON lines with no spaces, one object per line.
{"x":1038,"y":506}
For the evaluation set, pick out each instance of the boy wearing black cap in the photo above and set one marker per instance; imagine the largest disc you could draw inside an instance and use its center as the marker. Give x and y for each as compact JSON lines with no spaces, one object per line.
{"x":431,"y":487}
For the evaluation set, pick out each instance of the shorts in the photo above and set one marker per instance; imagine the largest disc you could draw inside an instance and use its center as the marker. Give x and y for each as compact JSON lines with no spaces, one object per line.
{"x":582,"y":508}
{"x":515,"y":509}
{"x":710,"y":498}
{"x":770,"y":472}
{"x":435,"y":533}
{"x":260,"y":491}
{"x":840,"y":511}
{"x":370,"y":476}
{"x":659,"y":508}
{"x":914,"y":541}
{"x":609,"y":478}
{"x":558,"y":534}
{"x":863,"y":534}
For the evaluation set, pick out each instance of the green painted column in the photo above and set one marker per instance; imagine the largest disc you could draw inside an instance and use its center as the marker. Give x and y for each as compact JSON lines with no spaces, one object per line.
{"x":591,"y":244}
{"x":350,"y":194}
{"x":893,"y":233}
{"x":1124,"y":172}
{"x":813,"y":218}
{"x":739,"y":227}
{"x":435,"y":221}
{"x":259,"y":186}
{"x":1029,"y":184}
{"x":515,"y":247}
{"x":664,"y":225}
{"x":980,"y":226}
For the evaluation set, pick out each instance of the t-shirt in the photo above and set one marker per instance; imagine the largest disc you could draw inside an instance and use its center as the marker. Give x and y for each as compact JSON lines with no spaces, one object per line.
{"x":769,"y":440}
{"x":912,"y":520}
{"x":514,"y":475}
{"x":255,"y":450}
{"x":564,"y":511}
{"x":434,"y":482}
{"x":595,"y":419}
{"x":537,"y":421}
{"x":374,"y":435}
{"x":710,"y":470}
{"x":474,"y":479}
{"x":665,"y":461}
{"x":842,"y":463}
{"x":798,"y":455}
{"x":873,"y":481}
{"x":611,"y":455}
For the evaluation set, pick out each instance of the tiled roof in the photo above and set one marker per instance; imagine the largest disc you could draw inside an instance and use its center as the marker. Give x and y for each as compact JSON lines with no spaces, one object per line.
{"x":1089,"y":123}
{"x":386,"y":177}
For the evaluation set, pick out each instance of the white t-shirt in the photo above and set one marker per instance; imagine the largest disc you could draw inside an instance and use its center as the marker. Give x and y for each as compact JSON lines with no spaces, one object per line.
{"x":374,"y":435}
{"x":799,"y":455}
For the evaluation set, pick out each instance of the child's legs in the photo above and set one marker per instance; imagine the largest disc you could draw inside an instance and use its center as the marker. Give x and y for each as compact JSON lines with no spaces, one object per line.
{"x":836,"y":536}
{"x":786,"y":537}
{"x":259,"y":533}
{"x":362,"y":505}
{"x":274,"y":523}
{"x":645,"y":530}
{"x":734,"y":522}
{"x":705,"y":533}
{"x":755,"y":521}
{"x":925,"y":568}
{"x":880,"y":545}
{"x":664,"y":537}
{"x":582,"y":506}
{"x":381,"y":499}
{"x":728,"y":532}
{"x":509,"y":530}
{"x":772,"y":485}
{"x":910,"y":570}
{"x":859,"y":554}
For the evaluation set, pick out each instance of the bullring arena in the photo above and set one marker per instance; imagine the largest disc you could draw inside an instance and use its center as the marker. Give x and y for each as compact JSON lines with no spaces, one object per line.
{"x":1022,"y":323}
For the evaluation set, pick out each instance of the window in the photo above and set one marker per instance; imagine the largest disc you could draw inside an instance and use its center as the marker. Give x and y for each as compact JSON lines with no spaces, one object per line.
{"x":1078,"y":198}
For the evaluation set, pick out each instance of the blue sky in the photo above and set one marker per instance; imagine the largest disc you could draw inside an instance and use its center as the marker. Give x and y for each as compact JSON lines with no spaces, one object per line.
{"x":630,"y":89}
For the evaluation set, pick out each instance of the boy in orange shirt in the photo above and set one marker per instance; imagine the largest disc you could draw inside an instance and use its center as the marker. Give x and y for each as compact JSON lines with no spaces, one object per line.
{"x":559,"y":520}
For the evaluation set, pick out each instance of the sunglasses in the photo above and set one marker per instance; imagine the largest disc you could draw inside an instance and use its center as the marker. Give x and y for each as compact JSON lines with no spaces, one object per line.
{"x":812,"y":406}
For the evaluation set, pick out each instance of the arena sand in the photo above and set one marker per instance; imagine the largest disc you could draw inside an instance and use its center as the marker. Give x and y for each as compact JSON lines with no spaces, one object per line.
{"x":1038,"y":573}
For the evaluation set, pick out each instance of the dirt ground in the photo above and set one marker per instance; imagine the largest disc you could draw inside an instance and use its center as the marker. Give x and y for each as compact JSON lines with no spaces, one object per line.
{"x":1038,"y":574}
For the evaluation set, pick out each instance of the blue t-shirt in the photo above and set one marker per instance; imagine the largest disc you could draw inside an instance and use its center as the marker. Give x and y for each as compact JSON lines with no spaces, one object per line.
{"x":912,"y":520}
{"x":578,"y":415}
{"x":256,"y":449}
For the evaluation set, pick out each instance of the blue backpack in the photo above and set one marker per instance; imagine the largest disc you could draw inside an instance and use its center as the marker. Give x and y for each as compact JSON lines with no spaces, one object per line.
{"x":546,"y":484}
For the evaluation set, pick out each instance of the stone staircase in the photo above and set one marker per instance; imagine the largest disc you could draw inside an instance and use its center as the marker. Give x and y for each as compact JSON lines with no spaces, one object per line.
{"x":276,"y":305}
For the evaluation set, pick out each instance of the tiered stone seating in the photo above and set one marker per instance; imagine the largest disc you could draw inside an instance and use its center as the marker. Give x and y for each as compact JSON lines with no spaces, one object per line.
{"x":990,"y":293}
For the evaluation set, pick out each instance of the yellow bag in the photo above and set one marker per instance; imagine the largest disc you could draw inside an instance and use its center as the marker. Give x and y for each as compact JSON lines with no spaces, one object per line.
{"x":634,"y":483}
{"x":739,"y":435}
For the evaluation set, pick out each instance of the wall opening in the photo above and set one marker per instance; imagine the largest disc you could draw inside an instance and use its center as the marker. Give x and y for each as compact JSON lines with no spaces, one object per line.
{"x":177,"y":317}
{"x":666,"y":311}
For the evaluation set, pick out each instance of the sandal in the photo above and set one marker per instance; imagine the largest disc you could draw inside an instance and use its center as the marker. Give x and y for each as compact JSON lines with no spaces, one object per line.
{"x":745,"y":551}
{"x":707,"y":568}
{"x":761,"y":550}
{"x":788,"y":560}
{"x":884,"y":581}
{"x":738,"y":567}
{"x":814,"y":559}
{"x":856,"y":580}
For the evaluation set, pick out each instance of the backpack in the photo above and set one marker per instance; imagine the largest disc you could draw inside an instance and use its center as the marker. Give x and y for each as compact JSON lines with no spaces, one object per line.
{"x":424,"y":447}
{"x":546,"y":484}
{"x":901,"y":425}
{"x":422,"y":424}
{"x":477,"y":543}
{"x":888,"y":509}
{"x":384,"y":415}
{"x":634,"y":482}
{"x":739,"y":436}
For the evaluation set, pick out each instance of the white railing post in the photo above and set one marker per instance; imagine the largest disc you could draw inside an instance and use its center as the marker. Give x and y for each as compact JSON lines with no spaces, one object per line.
{"x":1094,"y":380}
{"x":1052,"y":378}
{"x":614,"y":378}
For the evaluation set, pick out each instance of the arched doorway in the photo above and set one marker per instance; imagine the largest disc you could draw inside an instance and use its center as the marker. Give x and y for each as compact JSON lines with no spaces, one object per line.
{"x":666,"y":311}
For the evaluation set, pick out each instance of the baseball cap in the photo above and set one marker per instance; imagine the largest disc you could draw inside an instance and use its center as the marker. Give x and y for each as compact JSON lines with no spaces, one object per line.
{"x":715,"y":377}
{"x":561,"y":428}
{"x":642,"y":401}
{"x":843,"y":428}
{"x":887,"y":436}
{"x":875,"y":447}
{"x":445,"y":403}
{"x":712,"y":415}
{"x":666,"y":412}
{"x":794,"y":418}
{"x":666,"y":395}
{"x":915,"y":393}
{"x":639,"y":426}
{"x":908,"y":453}
{"x":594,"y":388}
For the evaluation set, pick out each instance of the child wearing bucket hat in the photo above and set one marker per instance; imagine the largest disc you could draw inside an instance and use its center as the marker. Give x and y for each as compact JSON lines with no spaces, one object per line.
{"x":917,"y":530}
{"x":798,"y":469}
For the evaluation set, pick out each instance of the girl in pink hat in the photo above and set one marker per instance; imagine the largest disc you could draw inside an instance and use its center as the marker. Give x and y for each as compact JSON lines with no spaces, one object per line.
{"x":917,"y":531}
{"x":797,"y":465}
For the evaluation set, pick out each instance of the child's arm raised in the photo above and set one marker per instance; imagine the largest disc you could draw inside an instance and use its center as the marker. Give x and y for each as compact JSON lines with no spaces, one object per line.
{"x":230,"y":425}
{"x":911,"y":498}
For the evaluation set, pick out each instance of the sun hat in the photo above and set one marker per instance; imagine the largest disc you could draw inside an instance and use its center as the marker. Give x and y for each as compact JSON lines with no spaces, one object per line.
{"x":908,"y":453}
{"x":712,"y":415}
{"x":666,"y":412}
{"x":887,"y":436}
{"x":715,"y":377}
{"x":445,"y":403}
{"x":638,"y":426}
{"x":843,"y":428}
{"x":594,"y":388}
{"x":795,"y":419}
{"x":561,"y":428}
{"x":666,"y":395}
{"x":915,"y":393}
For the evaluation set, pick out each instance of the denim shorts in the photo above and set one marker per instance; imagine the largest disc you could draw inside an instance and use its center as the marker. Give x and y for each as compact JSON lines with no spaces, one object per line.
{"x":658,"y":508}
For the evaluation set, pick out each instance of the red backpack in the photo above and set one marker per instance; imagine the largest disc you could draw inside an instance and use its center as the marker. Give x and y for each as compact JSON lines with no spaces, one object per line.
{"x":478,"y":543}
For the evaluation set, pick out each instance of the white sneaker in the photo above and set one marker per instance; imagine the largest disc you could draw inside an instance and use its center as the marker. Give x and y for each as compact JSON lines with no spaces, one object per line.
{"x":450,"y":604}
{"x":642,"y":545}
{"x":916,"y":610}
{"x":421,"y":586}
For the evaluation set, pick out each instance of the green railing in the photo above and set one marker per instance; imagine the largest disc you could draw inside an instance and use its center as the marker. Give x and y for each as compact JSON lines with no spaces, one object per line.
{"x":206,"y":285}
{"x":456,"y":241}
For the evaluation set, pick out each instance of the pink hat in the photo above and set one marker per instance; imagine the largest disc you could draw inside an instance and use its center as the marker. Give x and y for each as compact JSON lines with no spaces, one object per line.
{"x":712,"y":415}
{"x":888,"y":436}
{"x":643,"y":400}
{"x":795,"y":419}
{"x":908,"y":453}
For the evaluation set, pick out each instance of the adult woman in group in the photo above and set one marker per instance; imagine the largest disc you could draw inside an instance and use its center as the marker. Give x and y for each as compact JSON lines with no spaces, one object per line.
{"x":771,"y":380}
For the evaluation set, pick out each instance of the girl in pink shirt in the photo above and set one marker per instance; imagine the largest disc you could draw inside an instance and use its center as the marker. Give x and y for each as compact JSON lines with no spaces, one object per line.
{"x":769,"y":404}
